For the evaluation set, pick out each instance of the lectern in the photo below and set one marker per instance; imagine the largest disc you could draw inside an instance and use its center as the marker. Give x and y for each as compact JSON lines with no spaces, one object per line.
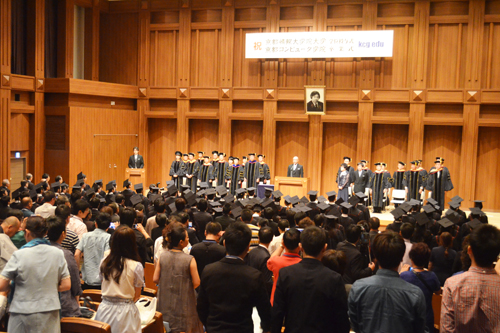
{"x":292,"y":186}
{"x":136,"y":176}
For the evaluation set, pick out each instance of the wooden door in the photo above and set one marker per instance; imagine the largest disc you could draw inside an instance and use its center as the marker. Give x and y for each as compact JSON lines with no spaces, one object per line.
{"x":111,"y":153}
{"x":17,"y":172}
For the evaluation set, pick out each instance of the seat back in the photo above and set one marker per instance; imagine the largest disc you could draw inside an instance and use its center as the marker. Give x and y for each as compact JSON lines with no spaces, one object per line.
{"x":94,"y":294}
{"x":436,"y":308}
{"x":149,"y":271}
{"x":398,"y":196}
{"x":149,"y":292}
{"x":156,"y":326}
{"x":83,"y":325}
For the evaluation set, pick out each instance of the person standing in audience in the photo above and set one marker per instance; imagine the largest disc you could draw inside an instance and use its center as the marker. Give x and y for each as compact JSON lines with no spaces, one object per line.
{"x":258,"y":257}
{"x":39,"y":271}
{"x":385,"y":302}
{"x":48,"y":208}
{"x":80,"y":210}
{"x":69,"y":299}
{"x":225,"y":220}
{"x":442,"y":258}
{"x":310,"y":297}
{"x":471,"y":299}
{"x":176,"y":275}
{"x":427,"y":281}
{"x":406,"y":232}
{"x":9,"y":228}
{"x":122,"y":277}
{"x":286,"y":254}
{"x":93,"y":246}
{"x":71,"y":240}
{"x":360,"y":179}
{"x":229,"y":289}
{"x":209,"y":250}
{"x":201,"y":218}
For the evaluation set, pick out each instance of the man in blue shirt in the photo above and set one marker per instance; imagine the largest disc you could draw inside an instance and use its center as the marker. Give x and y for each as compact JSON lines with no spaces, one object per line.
{"x":385,"y":302}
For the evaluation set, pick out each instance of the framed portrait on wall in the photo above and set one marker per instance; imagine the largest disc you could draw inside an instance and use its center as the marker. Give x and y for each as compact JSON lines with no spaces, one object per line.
{"x":314,"y":100}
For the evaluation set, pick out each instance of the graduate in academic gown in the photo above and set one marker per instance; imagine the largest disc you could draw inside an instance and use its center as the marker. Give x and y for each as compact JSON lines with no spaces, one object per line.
{"x":222,"y":169}
{"x":184,"y":160}
{"x":399,"y":177}
{"x":439,"y":181}
{"x":200,"y":160}
{"x":206,"y":172}
{"x":416,"y":179}
{"x":252,"y":173}
{"x":265,"y":174}
{"x":191,"y":172}
{"x":177,"y":170}
{"x":390,"y":182}
{"x":379,"y":185}
{"x":235,"y":175}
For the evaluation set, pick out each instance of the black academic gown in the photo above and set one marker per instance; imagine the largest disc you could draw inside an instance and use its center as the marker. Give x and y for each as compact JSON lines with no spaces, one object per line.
{"x":192,"y":169}
{"x":414,"y":181}
{"x":439,"y":182}
{"x":177,"y":169}
{"x":399,"y":178}
{"x":378,"y":184}
{"x":236,"y":176}
{"x":265,"y":173}
{"x":222,"y":169}
{"x":206,"y":173}
{"x":252,"y":173}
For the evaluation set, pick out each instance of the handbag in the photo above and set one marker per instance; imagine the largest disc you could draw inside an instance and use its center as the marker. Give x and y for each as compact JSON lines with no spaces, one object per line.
{"x":147,"y":309}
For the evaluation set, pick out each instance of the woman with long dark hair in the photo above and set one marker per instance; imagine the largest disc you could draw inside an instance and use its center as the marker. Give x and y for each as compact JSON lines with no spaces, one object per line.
{"x":176,"y":274}
{"x":122,"y":278}
{"x":442,"y":258}
{"x":38,"y":272}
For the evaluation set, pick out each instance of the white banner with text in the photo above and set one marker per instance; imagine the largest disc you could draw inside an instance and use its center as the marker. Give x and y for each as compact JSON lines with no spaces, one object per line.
{"x":320,"y":44}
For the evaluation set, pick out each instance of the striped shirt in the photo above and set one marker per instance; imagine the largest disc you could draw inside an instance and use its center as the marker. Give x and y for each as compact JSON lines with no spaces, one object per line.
{"x":70,"y":242}
{"x":255,"y":235}
{"x":471,"y":302}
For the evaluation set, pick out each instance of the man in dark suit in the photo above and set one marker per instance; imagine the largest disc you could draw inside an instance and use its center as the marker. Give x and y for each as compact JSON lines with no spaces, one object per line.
{"x":127,"y":192}
{"x":360,"y":179}
{"x":258,"y":257}
{"x":357,"y":265}
{"x":225,"y":220}
{"x":230,"y":289}
{"x":310,"y":285}
{"x":208,"y":251}
{"x":136,"y":161}
{"x":295,"y":169}
{"x":201,"y":218}
{"x":314,"y":104}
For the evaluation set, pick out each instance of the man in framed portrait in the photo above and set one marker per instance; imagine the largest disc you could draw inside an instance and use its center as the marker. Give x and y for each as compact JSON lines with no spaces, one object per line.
{"x":314,"y":104}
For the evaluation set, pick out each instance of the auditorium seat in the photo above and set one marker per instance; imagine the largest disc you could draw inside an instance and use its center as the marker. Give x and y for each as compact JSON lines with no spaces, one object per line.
{"x":149,"y":292}
{"x":94,"y":294}
{"x":436,"y":307}
{"x":149,"y":271}
{"x":83,"y":325}
{"x":156,"y":326}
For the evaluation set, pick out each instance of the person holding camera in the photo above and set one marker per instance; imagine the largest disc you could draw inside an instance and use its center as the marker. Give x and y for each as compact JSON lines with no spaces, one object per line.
{"x":357,"y":266}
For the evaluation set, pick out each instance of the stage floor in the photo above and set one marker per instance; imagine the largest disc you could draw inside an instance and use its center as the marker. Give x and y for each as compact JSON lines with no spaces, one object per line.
{"x":386,"y":218}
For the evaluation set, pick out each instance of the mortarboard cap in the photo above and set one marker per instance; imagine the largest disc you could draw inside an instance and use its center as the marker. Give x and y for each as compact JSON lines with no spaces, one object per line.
{"x":269,"y":189}
{"x":169,"y":182}
{"x":432,"y":202}
{"x":421,"y":218}
{"x":312,"y":193}
{"x":429,"y":209}
{"x":397,"y":213}
{"x":236,"y":212}
{"x":478,"y":203}
{"x":475,"y":223}
{"x":204,"y":185}
{"x":185,"y":188}
{"x":402,"y":163}
{"x":305,"y":209}
{"x":454,"y":204}
{"x":457,"y":199}
{"x":267,"y":202}
{"x":331,"y":217}
{"x":80,"y":181}
{"x":211,"y":191}
{"x":221,"y":190}
{"x":251,"y":189}
{"x":304,"y":200}
{"x":81,"y":175}
{"x":55,"y":185}
{"x":250,"y":154}
{"x":415,"y":202}
{"x":126,"y":183}
{"x":178,"y":153}
{"x":89,"y":192}
{"x":172,"y":189}
{"x":241,"y":191}
{"x":323,"y":206}
{"x":361,"y":195}
{"x":475,"y":211}
{"x":76,"y":187}
{"x":135,"y":199}
{"x":64,"y":185}
{"x":98,"y":182}
{"x":214,"y":204}
{"x":321,"y":199}
{"x":109,"y":187}
{"x":354,"y":200}
{"x":229,"y":198}
{"x":346,"y":205}
{"x":339,"y":201}
{"x":294,"y":200}
{"x":331,"y":193}
{"x":405,"y":206}
{"x":215,"y":152}
{"x":138,"y":187}
{"x":288,"y":199}
{"x":277,"y":194}
{"x":347,"y":158}
{"x":217,"y":210}
{"x":172,"y":208}
{"x":445,"y":223}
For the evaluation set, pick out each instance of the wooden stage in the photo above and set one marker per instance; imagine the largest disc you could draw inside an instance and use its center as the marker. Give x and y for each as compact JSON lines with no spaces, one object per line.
{"x":386,"y":218}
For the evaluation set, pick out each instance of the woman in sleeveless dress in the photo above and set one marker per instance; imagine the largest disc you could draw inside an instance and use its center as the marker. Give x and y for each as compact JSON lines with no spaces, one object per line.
{"x":177,"y":277}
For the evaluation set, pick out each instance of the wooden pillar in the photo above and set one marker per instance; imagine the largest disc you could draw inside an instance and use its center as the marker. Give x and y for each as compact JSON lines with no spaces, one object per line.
{"x":184,"y":46}
{"x":182,"y":124}
{"x":475,"y":46}
{"x":367,"y":73}
{"x":364,"y":143}
{"x":271,"y":67}
{"x":40,"y":39}
{"x":420,"y":45}
{"x":269,"y":135}
{"x":92,"y":21}
{"x":225,"y":108}
{"x":314,"y":155}
{"x":37,"y":151}
{"x":143,"y":56}
{"x":227,"y":45}
{"x":66,"y":23}
{"x":416,"y":132}
{"x":318,"y":66}
{"x":5,"y":79}
{"x":142,"y":108}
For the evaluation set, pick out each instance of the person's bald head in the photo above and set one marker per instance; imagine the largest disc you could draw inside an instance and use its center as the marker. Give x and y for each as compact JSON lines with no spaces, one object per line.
{"x":10,"y":226}
{"x":26,"y":202}
{"x":295,"y":159}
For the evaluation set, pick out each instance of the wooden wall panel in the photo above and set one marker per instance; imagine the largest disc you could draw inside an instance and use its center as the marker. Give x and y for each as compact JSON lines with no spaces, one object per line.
{"x":339,"y":140}
{"x":246,"y":137}
{"x":445,"y":142}
{"x":205,"y":54}
{"x":446,"y":58}
{"x":342,"y":73}
{"x":20,"y":127}
{"x":164,"y":57}
{"x":389,"y":145}
{"x":118,"y":47}
{"x":488,"y":161}
{"x":246,"y":72}
{"x":161,"y":149}
{"x":203,"y":135}
{"x":491,"y":56}
{"x":292,"y":139}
